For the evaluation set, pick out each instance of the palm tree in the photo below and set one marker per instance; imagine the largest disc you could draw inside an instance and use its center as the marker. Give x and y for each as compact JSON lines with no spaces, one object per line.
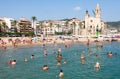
{"x":58,"y":26}
{"x":4,"y":26}
{"x":80,"y":27}
{"x":67,"y":23}
{"x":0,"y":27}
{"x":41,"y":27}
{"x":50,"y":25}
{"x":15,"y":25}
{"x":74,"y":25}
{"x":24,"y":28}
{"x":34,"y":19}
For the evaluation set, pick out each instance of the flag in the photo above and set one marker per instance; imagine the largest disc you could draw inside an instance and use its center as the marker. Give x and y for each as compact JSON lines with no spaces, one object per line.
{"x":93,"y":12}
{"x":97,"y":32}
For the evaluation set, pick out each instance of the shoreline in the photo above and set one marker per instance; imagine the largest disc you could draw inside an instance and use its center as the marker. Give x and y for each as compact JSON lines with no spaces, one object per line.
{"x":29,"y":41}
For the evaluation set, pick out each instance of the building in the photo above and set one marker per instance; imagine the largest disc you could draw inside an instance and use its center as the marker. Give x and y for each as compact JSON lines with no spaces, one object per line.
{"x":6,"y":23}
{"x":25,"y":25}
{"x":94,"y":24}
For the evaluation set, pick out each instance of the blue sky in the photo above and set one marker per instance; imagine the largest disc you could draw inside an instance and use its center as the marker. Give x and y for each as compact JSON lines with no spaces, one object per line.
{"x":59,"y":9}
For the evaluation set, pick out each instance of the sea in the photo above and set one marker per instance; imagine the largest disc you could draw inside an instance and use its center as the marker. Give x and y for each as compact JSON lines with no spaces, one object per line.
{"x":72,"y":69}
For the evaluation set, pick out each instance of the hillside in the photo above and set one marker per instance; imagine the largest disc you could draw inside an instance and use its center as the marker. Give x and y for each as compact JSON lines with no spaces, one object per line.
{"x":114,"y":24}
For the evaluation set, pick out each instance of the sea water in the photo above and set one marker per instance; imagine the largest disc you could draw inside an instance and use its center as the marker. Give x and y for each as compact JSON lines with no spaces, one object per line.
{"x":73,"y":69}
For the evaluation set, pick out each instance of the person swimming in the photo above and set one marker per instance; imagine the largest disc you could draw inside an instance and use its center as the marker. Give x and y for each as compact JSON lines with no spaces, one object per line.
{"x":110,"y":54}
{"x":64,"y":62}
{"x":45,"y":52}
{"x":59,"y":50}
{"x":82,"y":57}
{"x":25,"y":60}
{"x":59,"y":63}
{"x":83,"y":61}
{"x":59,"y":57}
{"x":45,"y":67}
{"x":61,"y":74}
{"x":14,"y":62}
{"x":97,"y":65}
{"x":32,"y":56}
{"x":10,"y":62}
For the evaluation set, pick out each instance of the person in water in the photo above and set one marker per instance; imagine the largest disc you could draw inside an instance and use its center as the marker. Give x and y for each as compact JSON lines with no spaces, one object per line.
{"x":61,"y":74}
{"x":110,"y":54}
{"x":25,"y":60}
{"x":45,"y":52}
{"x":59,"y":50}
{"x":97,"y":65}
{"x":82,"y":57}
{"x":32,"y":56}
{"x":59,"y":57}
{"x":10,"y":62}
{"x":45,"y":67}
{"x":14,"y":62}
{"x":59,"y":63}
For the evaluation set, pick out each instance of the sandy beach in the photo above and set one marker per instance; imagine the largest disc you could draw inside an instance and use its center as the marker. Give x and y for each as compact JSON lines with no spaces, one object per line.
{"x":21,"y":41}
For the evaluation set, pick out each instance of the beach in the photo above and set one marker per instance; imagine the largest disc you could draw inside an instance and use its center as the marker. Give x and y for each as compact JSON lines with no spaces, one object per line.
{"x":22,"y":41}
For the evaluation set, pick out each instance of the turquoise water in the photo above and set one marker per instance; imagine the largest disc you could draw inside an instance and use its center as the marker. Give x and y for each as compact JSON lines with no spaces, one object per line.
{"x":73,"y":69}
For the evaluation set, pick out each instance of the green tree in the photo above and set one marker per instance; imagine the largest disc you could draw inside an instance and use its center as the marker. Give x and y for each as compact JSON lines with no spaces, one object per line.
{"x":34,"y":18}
{"x":58,"y":26}
{"x":41,"y":26}
{"x":74,"y":26}
{"x":24,"y":28}
{"x":80,"y":27}
{"x":4,"y":26}
{"x":15,"y":25}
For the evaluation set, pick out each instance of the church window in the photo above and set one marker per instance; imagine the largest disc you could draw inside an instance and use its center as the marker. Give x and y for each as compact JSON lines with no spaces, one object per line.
{"x":91,"y":20}
{"x":90,"y":26}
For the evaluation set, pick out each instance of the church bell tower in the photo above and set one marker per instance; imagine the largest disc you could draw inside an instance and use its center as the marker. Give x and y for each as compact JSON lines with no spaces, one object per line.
{"x":97,"y":11}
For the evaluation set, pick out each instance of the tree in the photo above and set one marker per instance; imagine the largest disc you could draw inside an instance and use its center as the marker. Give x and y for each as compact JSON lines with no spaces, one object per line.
{"x":41,"y":27}
{"x":24,"y":27}
{"x":58,"y":26}
{"x":4,"y":26}
{"x":74,"y":25}
{"x":80,"y":27}
{"x":0,"y":27}
{"x":50,"y":25}
{"x":15,"y":25}
{"x":34,"y":19}
{"x":67,"y":23}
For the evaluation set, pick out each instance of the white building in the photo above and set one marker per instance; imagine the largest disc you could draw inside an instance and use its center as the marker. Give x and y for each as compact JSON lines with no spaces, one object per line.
{"x":8,"y":21}
{"x":94,"y":24}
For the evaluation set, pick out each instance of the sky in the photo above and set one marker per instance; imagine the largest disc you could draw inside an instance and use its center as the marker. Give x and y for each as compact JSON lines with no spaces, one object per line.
{"x":59,"y":9}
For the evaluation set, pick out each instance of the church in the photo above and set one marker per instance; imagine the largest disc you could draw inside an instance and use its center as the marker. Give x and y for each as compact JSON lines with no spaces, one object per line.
{"x":94,"y":25}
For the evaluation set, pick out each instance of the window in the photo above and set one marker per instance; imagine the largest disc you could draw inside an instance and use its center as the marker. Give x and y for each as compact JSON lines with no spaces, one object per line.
{"x":91,"y":20}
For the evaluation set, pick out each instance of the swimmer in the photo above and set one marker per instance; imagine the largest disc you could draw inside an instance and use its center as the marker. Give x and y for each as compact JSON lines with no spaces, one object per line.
{"x":45,"y":67}
{"x":59,"y":57}
{"x":59,"y":50}
{"x":97,"y":65}
{"x":64,"y":62}
{"x":25,"y":60}
{"x":13,"y":62}
{"x":110,"y":54}
{"x":61,"y":74}
{"x":82,"y":57}
{"x":83,"y":62}
{"x":45,"y":52}
{"x":32,"y":56}
{"x":59,"y":63}
{"x":10,"y":62}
